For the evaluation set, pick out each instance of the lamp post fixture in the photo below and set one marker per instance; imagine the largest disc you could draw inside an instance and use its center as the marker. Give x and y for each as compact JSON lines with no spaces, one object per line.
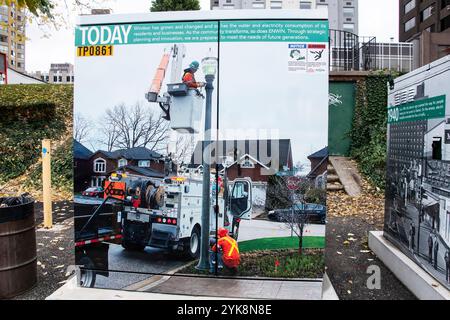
{"x":209,"y":67}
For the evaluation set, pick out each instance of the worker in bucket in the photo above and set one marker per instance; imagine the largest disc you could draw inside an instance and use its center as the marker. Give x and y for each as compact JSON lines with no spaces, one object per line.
{"x":189,"y":76}
{"x":227,"y":251}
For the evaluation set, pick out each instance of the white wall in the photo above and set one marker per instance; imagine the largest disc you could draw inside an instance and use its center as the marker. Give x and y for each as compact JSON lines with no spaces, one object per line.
{"x":15,"y":77}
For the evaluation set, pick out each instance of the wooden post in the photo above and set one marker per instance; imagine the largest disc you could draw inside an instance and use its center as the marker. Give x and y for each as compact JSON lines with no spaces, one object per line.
{"x":47,"y":183}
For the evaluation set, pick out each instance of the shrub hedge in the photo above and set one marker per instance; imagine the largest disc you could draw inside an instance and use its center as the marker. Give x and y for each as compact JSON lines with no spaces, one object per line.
{"x":30,"y":113}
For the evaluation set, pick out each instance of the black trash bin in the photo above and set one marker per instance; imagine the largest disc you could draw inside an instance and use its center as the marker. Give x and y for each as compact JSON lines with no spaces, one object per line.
{"x":18,"y":256}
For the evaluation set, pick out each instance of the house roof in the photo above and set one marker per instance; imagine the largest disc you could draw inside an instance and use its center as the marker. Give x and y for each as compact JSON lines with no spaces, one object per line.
{"x":260,"y":150}
{"x":323,"y":153}
{"x":139,"y":153}
{"x":148,"y":172}
{"x":80,"y":151}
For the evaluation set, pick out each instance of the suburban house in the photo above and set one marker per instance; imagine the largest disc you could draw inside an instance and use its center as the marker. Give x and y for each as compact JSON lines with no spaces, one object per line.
{"x":319,"y":163}
{"x":252,"y":159}
{"x":81,"y":165}
{"x":248,"y":158}
{"x":140,"y":161}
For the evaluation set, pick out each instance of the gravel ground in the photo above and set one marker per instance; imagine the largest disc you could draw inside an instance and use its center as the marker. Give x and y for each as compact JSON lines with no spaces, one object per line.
{"x":55,"y":250}
{"x":347,"y":256}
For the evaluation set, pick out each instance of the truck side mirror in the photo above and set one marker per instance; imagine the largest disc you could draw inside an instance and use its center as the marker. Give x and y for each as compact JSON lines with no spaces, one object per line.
{"x":240,"y":198}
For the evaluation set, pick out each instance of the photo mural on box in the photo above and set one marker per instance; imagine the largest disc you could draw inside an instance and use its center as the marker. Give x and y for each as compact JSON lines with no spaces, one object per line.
{"x":160,"y":104}
{"x":418,"y":183}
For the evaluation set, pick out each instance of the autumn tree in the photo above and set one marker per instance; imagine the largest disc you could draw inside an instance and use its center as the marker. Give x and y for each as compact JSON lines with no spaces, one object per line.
{"x":175,"y":5}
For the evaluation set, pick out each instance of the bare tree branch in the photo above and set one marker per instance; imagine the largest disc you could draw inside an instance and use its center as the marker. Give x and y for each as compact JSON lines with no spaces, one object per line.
{"x":82,"y":128}
{"x":137,"y":126}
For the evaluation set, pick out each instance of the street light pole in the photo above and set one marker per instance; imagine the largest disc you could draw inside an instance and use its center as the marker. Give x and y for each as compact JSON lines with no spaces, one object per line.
{"x":203,"y":264}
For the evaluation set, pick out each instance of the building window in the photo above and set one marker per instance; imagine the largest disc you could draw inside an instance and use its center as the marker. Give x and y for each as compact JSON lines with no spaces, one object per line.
{"x":426,"y":13}
{"x":305,"y":5}
{"x":97,"y":181}
{"x":348,"y":11}
{"x":350,"y":27}
{"x":100,"y":165}
{"x":122,"y":162}
{"x":144,"y":163}
{"x":247,"y":163}
{"x":445,"y":23}
{"x":55,"y":79}
{"x":276,"y":4}
{"x":411,"y":23}
{"x":68,"y":78}
{"x":409,"y":6}
{"x":60,"y":78}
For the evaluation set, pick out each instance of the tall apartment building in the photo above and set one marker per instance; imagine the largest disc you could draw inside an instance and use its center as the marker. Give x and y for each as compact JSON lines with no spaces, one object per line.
{"x":425,"y":23}
{"x":263,"y":4}
{"x":12,"y":36}
{"x":342,"y":14}
{"x":423,"y":15}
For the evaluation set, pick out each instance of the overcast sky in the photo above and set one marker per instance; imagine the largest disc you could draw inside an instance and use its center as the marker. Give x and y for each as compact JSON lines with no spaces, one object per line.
{"x":377,"y":18}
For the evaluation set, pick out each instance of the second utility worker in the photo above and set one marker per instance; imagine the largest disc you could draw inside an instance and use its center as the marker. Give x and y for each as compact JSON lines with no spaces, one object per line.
{"x":189,"y":78}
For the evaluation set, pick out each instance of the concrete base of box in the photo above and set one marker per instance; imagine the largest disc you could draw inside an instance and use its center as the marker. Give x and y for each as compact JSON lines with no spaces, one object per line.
{"x":417,"y":280}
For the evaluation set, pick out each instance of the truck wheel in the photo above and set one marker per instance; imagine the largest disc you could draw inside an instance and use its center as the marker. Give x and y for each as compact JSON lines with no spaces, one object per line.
{"x":194,"y":244}
{"x":132,"y":246}
{"x":87,"y":276}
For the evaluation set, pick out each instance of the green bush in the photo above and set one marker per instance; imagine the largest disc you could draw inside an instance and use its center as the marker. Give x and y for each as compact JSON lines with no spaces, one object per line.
{"x":29,"y":114}
{"x":369,"y":140}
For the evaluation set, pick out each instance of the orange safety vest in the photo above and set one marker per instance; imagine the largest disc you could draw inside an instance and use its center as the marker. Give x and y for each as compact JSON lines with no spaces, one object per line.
{"x":189,"y":79}
{"x":230,"y":256}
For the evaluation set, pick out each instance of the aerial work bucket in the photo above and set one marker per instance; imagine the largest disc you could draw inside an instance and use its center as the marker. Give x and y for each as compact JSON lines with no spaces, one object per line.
{"x":186,"y":111}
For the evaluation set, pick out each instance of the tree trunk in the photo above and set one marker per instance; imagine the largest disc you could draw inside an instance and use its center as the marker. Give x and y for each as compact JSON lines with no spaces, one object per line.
{"x":300,"y":245}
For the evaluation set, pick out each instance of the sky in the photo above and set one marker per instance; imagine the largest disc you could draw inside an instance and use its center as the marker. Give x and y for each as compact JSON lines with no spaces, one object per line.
{"x":377,"y":18}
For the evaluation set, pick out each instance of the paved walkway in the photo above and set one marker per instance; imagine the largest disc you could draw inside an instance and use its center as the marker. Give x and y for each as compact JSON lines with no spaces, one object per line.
{"x":238,"y":288}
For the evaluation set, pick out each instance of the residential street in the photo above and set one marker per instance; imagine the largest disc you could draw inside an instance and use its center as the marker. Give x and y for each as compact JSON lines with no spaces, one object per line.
{"x":151,"y":260}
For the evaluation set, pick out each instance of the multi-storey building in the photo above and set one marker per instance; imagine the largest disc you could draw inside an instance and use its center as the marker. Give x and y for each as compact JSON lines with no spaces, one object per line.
{"x":342,"y":14}
{"x":60,"y":73}
{"x":426,"y":24}
{"x":263,"y":4}
{"x":12,"y":36}
{"x":420,"y":15}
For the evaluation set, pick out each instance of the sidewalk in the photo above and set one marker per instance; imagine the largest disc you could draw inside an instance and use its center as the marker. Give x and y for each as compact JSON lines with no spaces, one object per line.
{"x":206,"y":289}
{"x":241,"y":289}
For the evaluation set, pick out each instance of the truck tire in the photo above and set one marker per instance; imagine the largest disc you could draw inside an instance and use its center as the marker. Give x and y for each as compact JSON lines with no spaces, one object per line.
{"x":87,"y":277}
{"x":132,"y":246}
{"x":193,"y":245}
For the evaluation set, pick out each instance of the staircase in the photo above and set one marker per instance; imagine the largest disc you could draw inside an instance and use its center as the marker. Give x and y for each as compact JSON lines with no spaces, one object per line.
{"x":333,"y":182}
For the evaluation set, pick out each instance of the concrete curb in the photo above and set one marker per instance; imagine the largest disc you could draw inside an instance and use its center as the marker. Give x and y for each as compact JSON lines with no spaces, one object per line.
{"x":417,"y":280}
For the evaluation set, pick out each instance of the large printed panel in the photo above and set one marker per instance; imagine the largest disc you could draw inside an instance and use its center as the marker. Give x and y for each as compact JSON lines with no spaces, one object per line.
{"x":200,"y":151}
{"x":417,"y":215}
{"x":273,"y":131}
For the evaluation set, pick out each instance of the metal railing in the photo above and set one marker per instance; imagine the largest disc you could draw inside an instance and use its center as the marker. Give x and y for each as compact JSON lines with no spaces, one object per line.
{"x":349,"y":52}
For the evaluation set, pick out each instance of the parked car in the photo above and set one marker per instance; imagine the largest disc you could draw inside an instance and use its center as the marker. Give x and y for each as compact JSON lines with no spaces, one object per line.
{"x":316,"y":212}
{"x":95,"y":192}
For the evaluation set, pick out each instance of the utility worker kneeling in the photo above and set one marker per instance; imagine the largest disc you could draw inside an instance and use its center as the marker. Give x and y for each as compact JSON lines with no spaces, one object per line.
{"x":228,"y":253}
{"x":189,"y":76}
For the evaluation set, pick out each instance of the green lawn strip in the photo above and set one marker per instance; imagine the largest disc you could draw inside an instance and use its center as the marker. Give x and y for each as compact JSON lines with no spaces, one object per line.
{"x":281,"y":243}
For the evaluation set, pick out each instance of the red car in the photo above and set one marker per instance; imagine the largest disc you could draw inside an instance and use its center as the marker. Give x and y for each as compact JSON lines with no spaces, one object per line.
{"x":96,"y":192}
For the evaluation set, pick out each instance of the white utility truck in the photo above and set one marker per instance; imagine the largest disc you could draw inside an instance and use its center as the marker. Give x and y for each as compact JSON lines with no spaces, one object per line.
{"x":173,"y":221}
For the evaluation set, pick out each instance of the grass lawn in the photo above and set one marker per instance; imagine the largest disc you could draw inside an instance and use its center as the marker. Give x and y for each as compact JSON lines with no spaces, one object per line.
{"x":281,"y":243}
